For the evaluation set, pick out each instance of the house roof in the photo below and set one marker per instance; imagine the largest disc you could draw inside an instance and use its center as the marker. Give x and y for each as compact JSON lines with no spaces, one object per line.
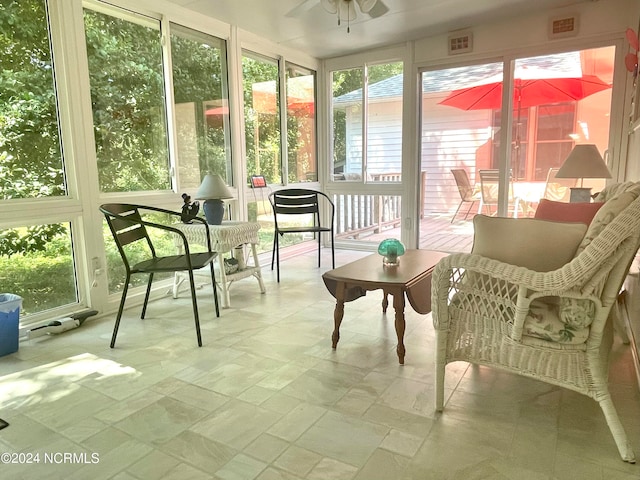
{"x":444,"y":80}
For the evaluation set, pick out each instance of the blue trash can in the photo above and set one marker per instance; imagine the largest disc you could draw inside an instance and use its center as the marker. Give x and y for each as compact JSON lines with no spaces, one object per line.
{"x":9,"y":322}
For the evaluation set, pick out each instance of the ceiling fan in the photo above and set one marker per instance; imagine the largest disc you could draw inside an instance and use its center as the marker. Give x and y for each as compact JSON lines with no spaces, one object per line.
{"x":345,"y":9}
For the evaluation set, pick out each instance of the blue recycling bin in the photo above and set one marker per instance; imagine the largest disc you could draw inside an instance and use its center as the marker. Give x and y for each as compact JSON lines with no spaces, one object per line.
{"x":9,"y":322}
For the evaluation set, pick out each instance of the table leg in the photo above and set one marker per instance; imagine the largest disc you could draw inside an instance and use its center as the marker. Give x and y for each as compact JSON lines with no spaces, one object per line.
{"x":398,"y":305}
{"x":338,"y":313}
{"x":223,"y":283}
{"x":385,"y":302}
{"x":178,"y":278}
{"x":256,"y":263}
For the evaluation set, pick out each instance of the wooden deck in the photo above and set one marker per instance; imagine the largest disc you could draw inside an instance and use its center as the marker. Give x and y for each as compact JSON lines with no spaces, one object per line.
{"x":437,"y":233}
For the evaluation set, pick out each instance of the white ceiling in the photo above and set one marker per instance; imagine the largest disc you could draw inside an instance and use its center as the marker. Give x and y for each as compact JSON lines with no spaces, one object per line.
{"x":304,"y":25}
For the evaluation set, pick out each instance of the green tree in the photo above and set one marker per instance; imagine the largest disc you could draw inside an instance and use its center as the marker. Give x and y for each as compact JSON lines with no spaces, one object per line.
{"x":30,"y":158}
{"x":262,"y":129}
{"x":127,"y":95}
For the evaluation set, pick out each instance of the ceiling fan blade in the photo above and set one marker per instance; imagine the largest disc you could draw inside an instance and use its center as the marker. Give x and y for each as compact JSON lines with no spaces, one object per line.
{"x":378,"y":9}
{"x":304,"y":6}
{"x":330,"y":6}
{"x":366,"y":5}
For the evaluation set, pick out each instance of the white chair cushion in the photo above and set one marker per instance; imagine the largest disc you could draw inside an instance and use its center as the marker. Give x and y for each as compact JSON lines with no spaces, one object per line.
{"x":538,"y":245}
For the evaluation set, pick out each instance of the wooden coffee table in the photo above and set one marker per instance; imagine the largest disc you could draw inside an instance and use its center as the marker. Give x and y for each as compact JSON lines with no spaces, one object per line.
{"x":412,"y":276}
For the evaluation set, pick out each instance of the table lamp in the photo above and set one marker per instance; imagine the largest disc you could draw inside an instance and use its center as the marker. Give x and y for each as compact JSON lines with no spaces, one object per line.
{"x":213,"y":190}
{"x":584,"y":161}
{"x":391,"y":250}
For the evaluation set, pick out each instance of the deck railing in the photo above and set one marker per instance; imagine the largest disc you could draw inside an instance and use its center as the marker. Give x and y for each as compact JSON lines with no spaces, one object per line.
{"x":359,"y":215}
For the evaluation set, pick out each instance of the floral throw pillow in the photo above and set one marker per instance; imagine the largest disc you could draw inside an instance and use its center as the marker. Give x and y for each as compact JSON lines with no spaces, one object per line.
{"x":543,"y":321}
{"x":580,"y":312}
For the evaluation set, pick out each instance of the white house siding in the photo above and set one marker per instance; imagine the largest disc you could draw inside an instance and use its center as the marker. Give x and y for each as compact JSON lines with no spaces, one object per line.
{"x":384,"y":140}
{"x":450,"y":139}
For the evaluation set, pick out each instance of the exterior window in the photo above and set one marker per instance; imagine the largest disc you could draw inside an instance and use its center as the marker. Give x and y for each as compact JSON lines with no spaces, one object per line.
{"x":551,"y":127}
{"x":301,"y":125}
{"x":30,"y":151}
{"x":36,"y":259}
{"x":201,"y":106}
{"x":382,"y":139}
{"x":384,"y":122}
{"x":36,"y":263}
{"x":262,"y":117}
{"x":347,"y":124}
{"x":127,"y":96}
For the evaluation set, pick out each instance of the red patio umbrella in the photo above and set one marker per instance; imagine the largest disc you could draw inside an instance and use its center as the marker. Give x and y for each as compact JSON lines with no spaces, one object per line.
{"x":530,"y":89}
{"x":527,"y":92}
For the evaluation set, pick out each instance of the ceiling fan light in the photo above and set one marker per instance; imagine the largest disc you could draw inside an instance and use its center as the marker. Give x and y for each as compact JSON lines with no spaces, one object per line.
{"x":366,"y":5}
{"x":330,"y":6}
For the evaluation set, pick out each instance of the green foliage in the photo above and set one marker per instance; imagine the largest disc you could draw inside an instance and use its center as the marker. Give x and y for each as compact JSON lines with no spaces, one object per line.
{"x":44,"y":279}
{"x":29,"y":240}
{"x":262,"y":129}
{"x":198,"y":79}
{"x":127,"y":95}
{"x":30,"y":158}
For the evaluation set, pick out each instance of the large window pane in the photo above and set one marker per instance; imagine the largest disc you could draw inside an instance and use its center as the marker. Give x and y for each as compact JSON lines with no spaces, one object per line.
{"x":301,"y":125}
{"x":384,"y":122}
{"x":127,"y":95}
{"x":201,"y":106}
{"x":347,"y":124}
{"x":383,"y":136}
{"x":36,"y":263}
{"x":262,"y":117}
{"x":30,"y":154}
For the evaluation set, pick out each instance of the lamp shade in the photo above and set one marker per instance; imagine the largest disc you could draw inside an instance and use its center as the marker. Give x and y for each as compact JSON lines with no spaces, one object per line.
{"x":213,"y":187}
{"x":584,"y":161}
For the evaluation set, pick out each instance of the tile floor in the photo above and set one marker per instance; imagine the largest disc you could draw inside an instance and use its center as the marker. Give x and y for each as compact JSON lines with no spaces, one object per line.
{"x":267,"y":398}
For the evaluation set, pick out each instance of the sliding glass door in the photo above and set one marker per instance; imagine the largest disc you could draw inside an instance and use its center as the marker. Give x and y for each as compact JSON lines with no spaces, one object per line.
{"x":474,"y":165}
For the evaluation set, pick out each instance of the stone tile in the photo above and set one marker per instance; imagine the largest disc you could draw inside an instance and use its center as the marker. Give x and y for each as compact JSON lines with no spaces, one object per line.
{"x":344,"y":438}
{"x":161,"y":421}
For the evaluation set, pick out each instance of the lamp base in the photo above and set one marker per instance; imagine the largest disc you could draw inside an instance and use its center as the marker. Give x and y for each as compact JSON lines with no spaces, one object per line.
{"x":213,"y":211}
{"x":580,"y":194}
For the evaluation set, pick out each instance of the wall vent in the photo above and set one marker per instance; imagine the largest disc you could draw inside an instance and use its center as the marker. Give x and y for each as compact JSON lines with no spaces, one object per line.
{"x":460,"y":42}
{"x":565,"y":26}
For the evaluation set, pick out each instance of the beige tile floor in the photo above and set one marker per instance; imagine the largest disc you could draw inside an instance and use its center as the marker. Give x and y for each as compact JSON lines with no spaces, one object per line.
{"x":267,"y":398}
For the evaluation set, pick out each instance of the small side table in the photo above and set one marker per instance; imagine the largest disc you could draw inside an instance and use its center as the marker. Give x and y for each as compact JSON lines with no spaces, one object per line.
{"x":224,"y":238}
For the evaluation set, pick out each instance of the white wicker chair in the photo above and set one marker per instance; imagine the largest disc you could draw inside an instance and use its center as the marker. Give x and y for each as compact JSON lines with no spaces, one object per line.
{"x":480,"y":306}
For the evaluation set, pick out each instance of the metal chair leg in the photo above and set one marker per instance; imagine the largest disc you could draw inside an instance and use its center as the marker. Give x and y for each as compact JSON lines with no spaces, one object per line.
{"x":273,"y":250}
{"x":333,"y":252}
{"x":120,"y":309}
{"x":146,"y":296}
{"x":215,"y":289}
{"x":277,"y":247}
{"x":457,"y":210}
{"x":192,"y":285}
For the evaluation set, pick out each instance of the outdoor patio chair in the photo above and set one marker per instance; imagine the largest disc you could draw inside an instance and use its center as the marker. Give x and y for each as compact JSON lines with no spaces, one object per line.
{"x":535,"y":298}
{"x":129,"y":228}
{"x":297,"y":210}
{"x":558,"y":189}
{"x":489,"y":193}
{"x":468,"y":193}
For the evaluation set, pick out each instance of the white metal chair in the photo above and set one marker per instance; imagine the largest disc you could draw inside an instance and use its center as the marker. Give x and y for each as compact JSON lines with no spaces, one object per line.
{"x":489,"y":180}
{"x":468,"y":193}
